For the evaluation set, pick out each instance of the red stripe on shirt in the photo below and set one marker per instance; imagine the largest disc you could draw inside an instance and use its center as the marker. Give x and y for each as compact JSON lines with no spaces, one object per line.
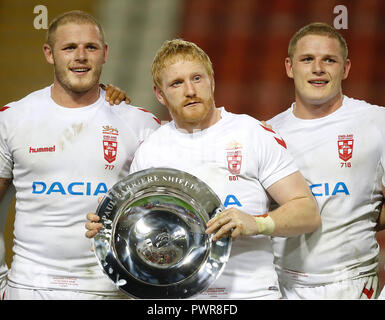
{"x":281,"y":142}
{"x":368,"y":293}
{"x":4,"y":108}
{"x":156,"y":119}
{"x":267,"y":129}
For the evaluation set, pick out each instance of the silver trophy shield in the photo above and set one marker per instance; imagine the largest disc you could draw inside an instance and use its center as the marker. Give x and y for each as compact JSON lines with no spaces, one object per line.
{"x":153,"y":243}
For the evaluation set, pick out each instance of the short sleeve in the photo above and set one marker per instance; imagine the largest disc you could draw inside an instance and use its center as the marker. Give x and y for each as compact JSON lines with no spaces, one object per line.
{"x":275,"y":161}
{"x":379,"y":122}
{"x":138,"y":163}
{"x":6,"y":161}
{"x":383,"y":156}
{"x":149,"y":123}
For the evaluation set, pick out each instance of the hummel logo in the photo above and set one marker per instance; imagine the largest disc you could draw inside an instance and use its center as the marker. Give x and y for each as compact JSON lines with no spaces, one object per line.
{"x":44,"y":149}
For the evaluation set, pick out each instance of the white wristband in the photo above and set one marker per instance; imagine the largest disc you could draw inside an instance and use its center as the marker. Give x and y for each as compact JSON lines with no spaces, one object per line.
{"x":265,"y":224}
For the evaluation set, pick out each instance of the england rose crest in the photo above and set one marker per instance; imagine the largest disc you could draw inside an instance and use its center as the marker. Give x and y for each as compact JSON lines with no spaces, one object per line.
{"x":345,"y":146}
{"x":234,"y":157}
{"x":110,"y":143}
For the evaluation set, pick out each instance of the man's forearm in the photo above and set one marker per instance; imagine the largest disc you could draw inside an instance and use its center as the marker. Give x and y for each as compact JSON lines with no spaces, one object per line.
{"x":381,"y":218}
{"x":295,"y":217}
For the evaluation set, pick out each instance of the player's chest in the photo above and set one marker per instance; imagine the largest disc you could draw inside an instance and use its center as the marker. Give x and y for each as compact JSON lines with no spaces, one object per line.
{"x":339,"y":150}
{"x":230,"y":152}
{"x":105,"y":144}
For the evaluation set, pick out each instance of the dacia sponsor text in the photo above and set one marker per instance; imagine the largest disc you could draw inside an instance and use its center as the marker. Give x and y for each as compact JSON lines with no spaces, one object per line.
{"x":329,"y":189}
{"x":76,"y":188}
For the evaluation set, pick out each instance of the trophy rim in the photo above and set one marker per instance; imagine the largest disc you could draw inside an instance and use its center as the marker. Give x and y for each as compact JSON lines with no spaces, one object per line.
{"x":123,"y":194}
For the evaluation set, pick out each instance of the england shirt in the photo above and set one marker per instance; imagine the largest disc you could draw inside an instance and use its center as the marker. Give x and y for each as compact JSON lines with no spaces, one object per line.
{"x":342,"y":158}
{"x":61,"y":161}
{"x":239,"y":159}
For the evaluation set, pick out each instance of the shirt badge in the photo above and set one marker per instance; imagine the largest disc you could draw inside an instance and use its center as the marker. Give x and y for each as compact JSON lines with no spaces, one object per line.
{"x":110,"y":143}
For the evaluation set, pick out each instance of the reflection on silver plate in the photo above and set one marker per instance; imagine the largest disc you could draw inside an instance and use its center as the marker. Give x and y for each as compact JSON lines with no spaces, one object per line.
{"x":153,"y":243}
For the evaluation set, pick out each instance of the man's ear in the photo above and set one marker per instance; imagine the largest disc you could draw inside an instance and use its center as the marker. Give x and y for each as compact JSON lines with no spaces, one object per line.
{"x":48,"y":53}
{"x":105,"y":52}
{"x":289,"y":67}
{"x":159,"y":95}
{"x":212,"y":83}
{"x":347,"y":66}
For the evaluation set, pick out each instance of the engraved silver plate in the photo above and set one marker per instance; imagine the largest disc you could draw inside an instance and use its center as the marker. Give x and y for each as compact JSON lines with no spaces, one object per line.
{"x":153,"y":243}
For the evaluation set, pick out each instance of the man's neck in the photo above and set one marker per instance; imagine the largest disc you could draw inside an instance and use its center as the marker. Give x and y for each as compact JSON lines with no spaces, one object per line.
{"x":69,"y":99}
{"x":309,"y":110}
{"x":193,"y":127}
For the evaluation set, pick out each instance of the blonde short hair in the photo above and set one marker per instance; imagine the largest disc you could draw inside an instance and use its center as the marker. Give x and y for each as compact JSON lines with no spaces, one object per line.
{"x":317,"y":28}
{"x":75,"y":16}
{"x":171,"y":50}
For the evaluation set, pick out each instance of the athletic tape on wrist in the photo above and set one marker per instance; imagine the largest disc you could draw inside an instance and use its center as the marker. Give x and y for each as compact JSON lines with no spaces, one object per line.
{"x":265,"y":224}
